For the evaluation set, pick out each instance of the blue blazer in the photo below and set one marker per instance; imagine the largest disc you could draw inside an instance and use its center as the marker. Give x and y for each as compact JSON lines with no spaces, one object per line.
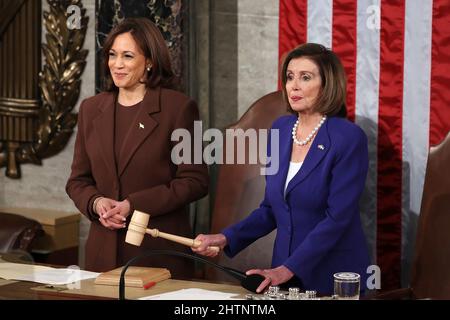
{"x":318,"y":225}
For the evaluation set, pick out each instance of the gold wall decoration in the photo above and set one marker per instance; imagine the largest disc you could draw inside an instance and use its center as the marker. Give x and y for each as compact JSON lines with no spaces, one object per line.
{"x":20,"y":62}
{"x":52,"y":120}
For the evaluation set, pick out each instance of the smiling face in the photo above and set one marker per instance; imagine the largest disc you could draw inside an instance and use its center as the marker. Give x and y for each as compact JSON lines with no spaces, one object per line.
{"x":127,"y":63}
{"x":303,"y":84}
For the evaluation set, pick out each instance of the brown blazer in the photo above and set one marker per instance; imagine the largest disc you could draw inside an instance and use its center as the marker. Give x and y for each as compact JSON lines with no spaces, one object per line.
{"x":145,"y":175}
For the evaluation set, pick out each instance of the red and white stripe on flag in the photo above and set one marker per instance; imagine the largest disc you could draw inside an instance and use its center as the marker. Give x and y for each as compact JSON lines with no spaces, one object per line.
{"x":397,"y":58}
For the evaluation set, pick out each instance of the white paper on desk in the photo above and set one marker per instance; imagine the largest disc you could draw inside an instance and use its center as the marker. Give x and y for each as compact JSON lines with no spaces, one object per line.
{"x":60,"y":276}
{"x":192,"y":294}
{"x":14,"y":271}
{"x":46,"y":275}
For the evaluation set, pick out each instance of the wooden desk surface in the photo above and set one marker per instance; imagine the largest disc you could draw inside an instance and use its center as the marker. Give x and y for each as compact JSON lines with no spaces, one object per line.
{"x":88,"y":290}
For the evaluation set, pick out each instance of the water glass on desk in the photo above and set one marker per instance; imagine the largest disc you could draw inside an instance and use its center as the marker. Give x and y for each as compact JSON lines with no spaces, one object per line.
{"x":346,"y":285}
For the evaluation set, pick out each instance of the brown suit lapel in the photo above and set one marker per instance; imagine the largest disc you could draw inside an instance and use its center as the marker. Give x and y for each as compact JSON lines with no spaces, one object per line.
{"x":104,"y":129}
{"x":141,"y":129}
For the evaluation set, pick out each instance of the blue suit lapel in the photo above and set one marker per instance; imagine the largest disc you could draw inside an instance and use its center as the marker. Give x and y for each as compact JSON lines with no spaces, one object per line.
{"x":285,"y":154}
{"x":317,"y":151}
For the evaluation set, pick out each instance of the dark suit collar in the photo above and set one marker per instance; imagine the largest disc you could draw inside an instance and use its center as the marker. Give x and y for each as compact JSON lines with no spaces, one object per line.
{"x":104,"y":129}
{"x":150,"y":101}
{"x":139,"y":131}
{"x":317,"y":151}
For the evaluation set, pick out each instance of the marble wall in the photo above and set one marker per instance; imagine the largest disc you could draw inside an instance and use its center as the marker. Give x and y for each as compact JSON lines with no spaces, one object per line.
{"x":233,"y":61}
{"x":257,"y":50}
{"x":244,"y":56}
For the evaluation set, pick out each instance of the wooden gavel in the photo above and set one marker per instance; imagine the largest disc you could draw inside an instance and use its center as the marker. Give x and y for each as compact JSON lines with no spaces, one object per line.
{"x":138,"y":228}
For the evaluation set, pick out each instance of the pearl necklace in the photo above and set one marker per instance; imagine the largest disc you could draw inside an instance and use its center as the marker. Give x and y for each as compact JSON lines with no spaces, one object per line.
{"x":310,"y":136}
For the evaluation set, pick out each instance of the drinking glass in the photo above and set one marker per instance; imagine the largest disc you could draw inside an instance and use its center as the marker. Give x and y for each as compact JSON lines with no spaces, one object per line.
{"x":346,"y":285}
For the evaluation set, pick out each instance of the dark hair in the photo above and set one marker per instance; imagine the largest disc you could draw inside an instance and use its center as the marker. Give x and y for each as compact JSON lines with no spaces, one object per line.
{"x":153,"y":46}
{"x":331,"y":99}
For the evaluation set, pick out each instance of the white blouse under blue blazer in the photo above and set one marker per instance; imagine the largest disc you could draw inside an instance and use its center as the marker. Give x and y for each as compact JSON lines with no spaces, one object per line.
{"x":318,"y":223}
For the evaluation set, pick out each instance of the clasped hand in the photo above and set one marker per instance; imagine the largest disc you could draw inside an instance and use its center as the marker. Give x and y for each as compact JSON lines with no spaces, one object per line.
{"x":112,"y":213}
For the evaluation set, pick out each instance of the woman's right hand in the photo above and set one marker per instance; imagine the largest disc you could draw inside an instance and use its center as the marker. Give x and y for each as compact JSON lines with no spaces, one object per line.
{"x":208,"y":240}
{"x":112,"y":223}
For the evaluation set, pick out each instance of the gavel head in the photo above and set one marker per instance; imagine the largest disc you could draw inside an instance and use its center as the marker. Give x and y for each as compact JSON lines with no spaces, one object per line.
{"x":137,"y":228}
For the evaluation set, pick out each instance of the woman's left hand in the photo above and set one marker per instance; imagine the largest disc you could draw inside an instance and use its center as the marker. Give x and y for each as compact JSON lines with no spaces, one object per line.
{"x":274,"y":276}
{"x":119,"y":209}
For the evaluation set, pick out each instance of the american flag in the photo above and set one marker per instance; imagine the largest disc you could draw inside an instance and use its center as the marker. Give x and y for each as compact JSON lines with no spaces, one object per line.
{"x":397,"y":58}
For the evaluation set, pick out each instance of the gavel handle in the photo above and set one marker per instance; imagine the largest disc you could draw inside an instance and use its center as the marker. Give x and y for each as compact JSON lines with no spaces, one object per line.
{"x":182,"y":240}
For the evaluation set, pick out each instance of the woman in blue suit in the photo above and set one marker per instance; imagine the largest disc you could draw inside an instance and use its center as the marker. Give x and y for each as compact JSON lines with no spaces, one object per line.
{"x":312,"y":200}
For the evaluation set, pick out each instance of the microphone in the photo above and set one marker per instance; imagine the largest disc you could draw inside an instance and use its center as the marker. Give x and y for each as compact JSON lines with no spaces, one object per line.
{"x":249,"y":282}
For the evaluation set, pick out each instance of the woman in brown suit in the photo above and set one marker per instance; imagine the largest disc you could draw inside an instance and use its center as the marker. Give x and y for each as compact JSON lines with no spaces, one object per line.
{"x":122,"y":155}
